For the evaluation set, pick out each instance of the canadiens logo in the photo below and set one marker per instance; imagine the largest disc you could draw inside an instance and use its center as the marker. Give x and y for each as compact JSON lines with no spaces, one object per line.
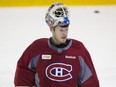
{"x":59,"y":72}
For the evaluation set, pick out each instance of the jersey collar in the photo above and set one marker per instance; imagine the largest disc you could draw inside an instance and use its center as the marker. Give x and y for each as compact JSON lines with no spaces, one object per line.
{"x":59,"y":48}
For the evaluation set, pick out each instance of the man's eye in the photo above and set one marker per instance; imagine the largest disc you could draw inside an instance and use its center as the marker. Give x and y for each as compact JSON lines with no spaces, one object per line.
{"x":61,"y":30}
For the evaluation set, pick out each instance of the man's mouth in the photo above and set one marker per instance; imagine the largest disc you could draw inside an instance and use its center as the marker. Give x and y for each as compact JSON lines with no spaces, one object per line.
{"x":63,"y":37}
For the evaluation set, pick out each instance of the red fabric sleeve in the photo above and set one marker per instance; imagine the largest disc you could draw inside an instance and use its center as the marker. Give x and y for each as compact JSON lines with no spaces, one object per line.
{"x":23,"y":75}
{"x":93,"y":80}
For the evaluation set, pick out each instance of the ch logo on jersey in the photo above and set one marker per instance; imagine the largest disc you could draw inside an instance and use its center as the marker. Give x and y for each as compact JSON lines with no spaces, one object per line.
{"x":59,"y":72}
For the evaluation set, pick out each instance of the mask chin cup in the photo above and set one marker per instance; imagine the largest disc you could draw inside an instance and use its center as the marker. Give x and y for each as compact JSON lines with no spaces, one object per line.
{"x":64,"y":23}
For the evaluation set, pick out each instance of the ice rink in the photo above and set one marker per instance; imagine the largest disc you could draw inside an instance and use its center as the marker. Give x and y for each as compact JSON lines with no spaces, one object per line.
{"x":20,"y":26}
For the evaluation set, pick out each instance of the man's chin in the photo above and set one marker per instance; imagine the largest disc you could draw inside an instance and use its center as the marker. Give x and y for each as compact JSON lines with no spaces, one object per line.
{"x":63,"y":41}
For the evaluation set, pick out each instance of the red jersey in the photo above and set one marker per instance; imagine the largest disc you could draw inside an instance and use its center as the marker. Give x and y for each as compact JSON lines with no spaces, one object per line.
{"x":45,"y":65}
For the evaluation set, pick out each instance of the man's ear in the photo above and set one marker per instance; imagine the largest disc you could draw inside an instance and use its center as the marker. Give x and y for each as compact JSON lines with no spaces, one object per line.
{"x":52,"y":29}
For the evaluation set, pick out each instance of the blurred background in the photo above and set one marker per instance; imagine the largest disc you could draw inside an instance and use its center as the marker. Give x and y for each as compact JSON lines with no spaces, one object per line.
{"x":93,"y":22}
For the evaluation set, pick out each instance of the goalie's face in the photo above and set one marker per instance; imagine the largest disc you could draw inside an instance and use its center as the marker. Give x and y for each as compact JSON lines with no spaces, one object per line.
{"x":59,"y":34}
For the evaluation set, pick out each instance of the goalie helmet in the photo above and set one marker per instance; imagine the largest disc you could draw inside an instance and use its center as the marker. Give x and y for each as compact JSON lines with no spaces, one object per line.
{"x":57,"y":14}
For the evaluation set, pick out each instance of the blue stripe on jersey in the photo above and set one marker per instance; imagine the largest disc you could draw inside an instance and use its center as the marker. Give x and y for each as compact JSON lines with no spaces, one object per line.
{"x":85,"y":72}
{"x":37,"y":81}
{"x":33,"y":63}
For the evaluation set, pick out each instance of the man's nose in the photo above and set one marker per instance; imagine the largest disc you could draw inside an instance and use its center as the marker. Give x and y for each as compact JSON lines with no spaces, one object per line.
{"x":64,"y":32}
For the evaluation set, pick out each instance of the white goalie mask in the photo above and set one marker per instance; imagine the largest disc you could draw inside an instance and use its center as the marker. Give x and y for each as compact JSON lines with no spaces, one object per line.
{"x":57,"y":14}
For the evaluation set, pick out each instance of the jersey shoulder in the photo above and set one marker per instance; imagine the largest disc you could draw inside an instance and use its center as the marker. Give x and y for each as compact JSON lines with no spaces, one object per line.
{"x":77,"y":44}
{"x":42,"y":42}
